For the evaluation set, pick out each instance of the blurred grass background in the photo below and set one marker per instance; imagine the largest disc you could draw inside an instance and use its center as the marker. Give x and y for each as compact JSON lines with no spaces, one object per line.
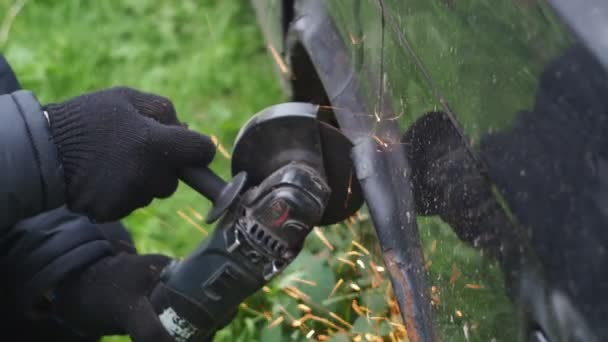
{"x":209,"y":58}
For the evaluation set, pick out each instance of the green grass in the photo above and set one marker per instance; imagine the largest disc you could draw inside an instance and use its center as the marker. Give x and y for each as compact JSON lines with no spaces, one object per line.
{"x":209,"y":58}
{"x":206,"y":56}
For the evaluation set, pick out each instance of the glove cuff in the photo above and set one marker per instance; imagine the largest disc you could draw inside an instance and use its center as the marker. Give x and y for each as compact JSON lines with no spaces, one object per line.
{"x":67,"y":130}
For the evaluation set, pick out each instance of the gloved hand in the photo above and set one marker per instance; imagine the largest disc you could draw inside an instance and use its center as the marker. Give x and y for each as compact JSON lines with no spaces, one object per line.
{"x":120,"y":148}
{"x":111,"y":298}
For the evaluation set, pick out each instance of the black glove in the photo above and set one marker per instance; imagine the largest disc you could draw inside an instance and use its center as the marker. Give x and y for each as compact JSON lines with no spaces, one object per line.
{"x":111,"y":298}
{"x":120,"y":148}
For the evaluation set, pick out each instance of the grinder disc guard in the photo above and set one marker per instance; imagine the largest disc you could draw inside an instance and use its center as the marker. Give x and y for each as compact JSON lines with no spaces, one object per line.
{"x":290,"y":132}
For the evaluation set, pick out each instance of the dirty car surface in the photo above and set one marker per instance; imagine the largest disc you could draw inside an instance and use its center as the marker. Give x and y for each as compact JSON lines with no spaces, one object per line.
{"x":479,"y":133}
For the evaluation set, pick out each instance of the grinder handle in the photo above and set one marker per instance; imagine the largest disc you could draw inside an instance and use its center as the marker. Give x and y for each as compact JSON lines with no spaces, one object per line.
{"x":204,"y":181}
{"x":210,"y":185}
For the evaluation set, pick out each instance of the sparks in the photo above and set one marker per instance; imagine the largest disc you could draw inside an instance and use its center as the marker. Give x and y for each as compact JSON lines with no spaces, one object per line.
{"x":191,"y":222}
{"x":323,"y":239}
{"x":346,"y":261}
{"x":296,"y":293}
{"x":220,"y":147}
{"x":310,"y":333}
{"x":339,"y":319}
{"x":355,"y":287}
{"x":276,"y":322}
{"x":195,"y":213}
{"x":359,"y":246}
{"x":360,"y":310}
{"x":304,"y":308}
{"x":361,"y":264}
{"x":277,"y":58}
{"x":375,"y":137}
{"x":338,"y":284}
{"x":304,"y":281}
{"x":325,"y":321}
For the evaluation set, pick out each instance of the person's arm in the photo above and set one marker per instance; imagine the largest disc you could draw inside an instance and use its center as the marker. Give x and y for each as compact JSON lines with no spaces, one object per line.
{"x":103,"y":153}
{"x":32,"y":177}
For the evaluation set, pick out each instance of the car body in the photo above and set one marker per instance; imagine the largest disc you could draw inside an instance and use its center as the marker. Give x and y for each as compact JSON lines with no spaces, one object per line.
{"x":523,"y":85}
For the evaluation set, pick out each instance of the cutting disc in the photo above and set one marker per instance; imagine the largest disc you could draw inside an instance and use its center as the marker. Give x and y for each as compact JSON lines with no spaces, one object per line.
{"x":291,"y":132}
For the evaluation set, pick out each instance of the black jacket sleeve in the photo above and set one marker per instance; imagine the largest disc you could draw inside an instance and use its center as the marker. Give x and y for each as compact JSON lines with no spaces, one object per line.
{"x":31,"y":179}
{"x":40,"y":251}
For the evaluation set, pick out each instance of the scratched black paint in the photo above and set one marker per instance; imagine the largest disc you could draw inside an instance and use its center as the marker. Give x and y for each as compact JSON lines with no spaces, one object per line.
{"x":494,"y":113}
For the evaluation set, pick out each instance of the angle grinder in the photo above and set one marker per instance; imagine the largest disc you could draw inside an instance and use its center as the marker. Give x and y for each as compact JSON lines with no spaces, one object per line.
{"x":291,"y":172}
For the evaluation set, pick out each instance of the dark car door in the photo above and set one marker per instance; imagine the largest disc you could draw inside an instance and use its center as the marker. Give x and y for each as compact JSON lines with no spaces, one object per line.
{"x":486,"y":175}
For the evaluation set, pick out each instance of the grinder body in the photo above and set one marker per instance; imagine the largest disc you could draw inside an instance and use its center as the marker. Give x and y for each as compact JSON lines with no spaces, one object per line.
{"x":261,"y":233}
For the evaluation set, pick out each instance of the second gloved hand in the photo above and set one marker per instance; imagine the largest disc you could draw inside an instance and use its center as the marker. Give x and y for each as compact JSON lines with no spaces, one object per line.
{"x":120,"y":148}
{"x":110,"y":297}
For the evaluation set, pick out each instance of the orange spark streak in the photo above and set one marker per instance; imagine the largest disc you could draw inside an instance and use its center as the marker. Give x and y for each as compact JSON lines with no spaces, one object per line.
{"x":298,"y":292}
{"x":195,"y":213}
{"x":360,"y":246}
{"x":277,"y":58}
{"x":339,"y":319}
{"x":361,"y":310}
{"x":246,"y":307}
{"x":349,"y":224}
{"x":276,"y":322}
{"x":220,"y":147}
{"x":375,"y":137}
{"x":326,"y":322}
{"x":304,"y":308}
{"x":304,"y":281}
{"x":346,"y":261}
{"x":338,"y":284}
{"x":323,"y":239}
{"x":191,"y":222}
{"x":474,"y":286}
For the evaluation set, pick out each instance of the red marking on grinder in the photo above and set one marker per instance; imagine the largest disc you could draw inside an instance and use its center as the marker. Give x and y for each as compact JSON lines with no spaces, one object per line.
{"x":281,"y":218}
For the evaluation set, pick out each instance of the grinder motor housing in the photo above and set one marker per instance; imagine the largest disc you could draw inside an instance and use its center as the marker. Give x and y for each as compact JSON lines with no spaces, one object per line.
{"x":299,"y":175}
